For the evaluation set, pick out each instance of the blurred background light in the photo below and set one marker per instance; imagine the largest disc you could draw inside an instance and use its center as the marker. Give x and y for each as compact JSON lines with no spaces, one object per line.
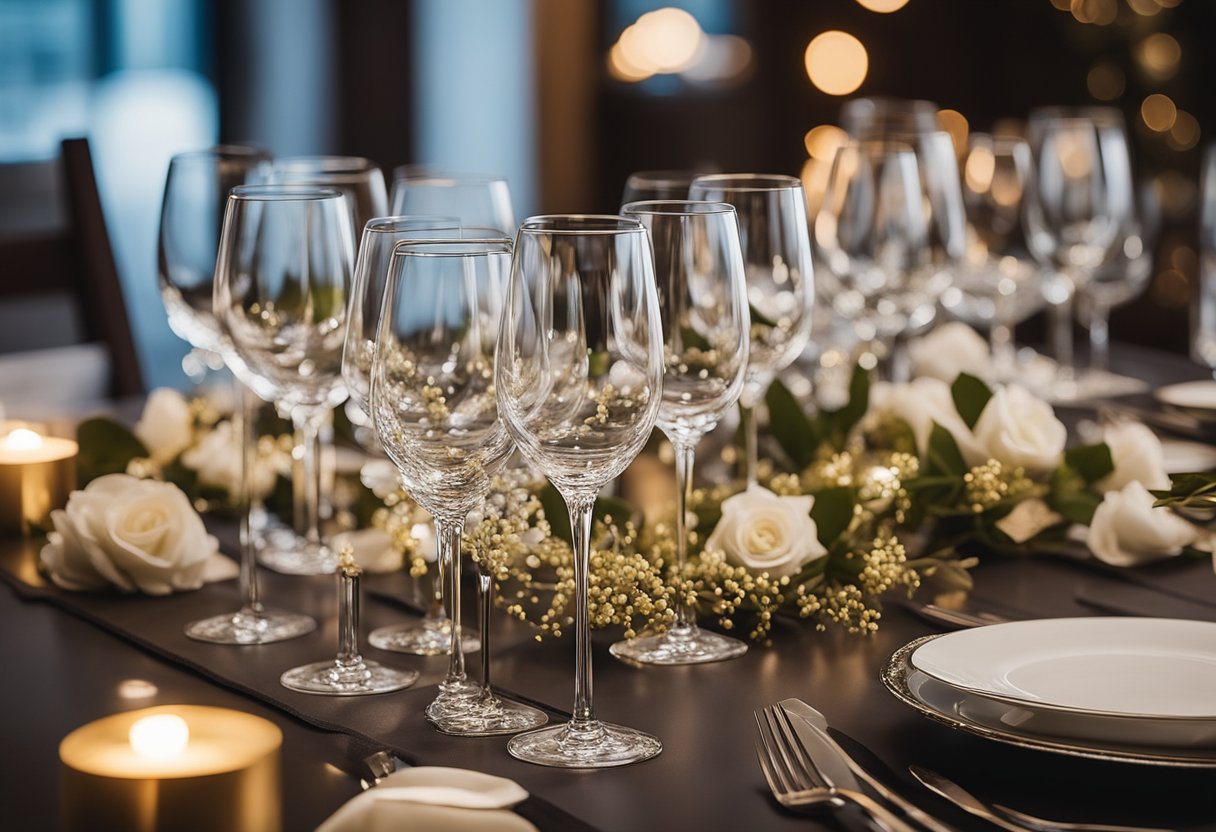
{"x":1159,"y":112}
{"x":1105,"y":81}
{"x":836,"y":62}
{"x":882,"y":6}
{"x":1159,"y":55}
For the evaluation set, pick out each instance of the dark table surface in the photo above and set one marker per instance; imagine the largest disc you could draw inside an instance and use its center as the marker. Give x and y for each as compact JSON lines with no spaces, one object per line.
{"x":62,"y":671}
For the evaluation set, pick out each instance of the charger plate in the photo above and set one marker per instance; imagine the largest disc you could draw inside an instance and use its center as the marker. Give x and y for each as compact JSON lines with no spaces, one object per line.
{"x":1013,"y":725}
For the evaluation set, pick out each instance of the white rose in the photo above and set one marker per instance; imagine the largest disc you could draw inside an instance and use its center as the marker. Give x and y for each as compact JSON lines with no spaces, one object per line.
{"x":767,"y":533}
{"x":217,"y":461}
{"x":133,"y":534}
{"x":373,"y":549}
{"x":381,"y":477}
{"x":950,"y":349}
{"x":1138,"y":457}
{"x":1127,"y":530}
{"x":1018,"y":429}
{"x":920,"y":403}
{"x":166,"y":427}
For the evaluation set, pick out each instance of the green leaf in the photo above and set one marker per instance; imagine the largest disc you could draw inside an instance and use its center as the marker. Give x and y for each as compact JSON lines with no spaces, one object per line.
{"x":843,"y":421}
{"x":598,"y":363}
{"x":759,"y":318}
{"x":105,"y":448}
{"x":1092,"y":462}
{"x":1076,"y":506}
{"x":555,"y":512}
{"x":790,"y":426}
{"x":970,"y":397}
{"x":944,"y":455}
{"x":689,"y":337}
{"x":832,"y":513}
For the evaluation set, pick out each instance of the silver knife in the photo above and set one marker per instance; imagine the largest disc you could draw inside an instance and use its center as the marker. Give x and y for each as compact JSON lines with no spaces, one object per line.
{"x":811,"y":727}
{"x":960,"y":797}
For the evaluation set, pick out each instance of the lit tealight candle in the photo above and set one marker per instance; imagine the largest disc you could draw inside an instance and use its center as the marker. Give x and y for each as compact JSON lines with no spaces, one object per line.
{"x":172,"y":767}
{"x":37,"y":473}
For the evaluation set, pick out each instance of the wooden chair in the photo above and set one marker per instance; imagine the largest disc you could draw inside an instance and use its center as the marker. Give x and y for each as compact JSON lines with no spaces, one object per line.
{"x":59,"y":285}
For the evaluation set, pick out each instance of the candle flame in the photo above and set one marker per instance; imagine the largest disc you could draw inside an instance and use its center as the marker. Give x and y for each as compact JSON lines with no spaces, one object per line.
{"x":159,"y":737}
{"x":23,"y":439}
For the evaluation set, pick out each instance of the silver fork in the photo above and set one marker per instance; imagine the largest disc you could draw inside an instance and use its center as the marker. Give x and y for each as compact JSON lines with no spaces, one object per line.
{"x":795,"y":780}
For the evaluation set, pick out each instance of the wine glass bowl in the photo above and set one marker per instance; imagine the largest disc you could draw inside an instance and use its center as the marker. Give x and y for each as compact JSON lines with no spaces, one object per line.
{"x":481,"y":200}
{"x":579,"y":374}
{"x":358,"y":179}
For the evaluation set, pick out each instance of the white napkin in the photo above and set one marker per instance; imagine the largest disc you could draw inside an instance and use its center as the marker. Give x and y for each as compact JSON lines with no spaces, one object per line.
{"x":433,"y":798}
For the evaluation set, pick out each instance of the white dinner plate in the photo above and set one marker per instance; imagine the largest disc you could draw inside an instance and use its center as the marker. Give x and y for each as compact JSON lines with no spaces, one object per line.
{"x":1180,"y":456}
{"x":1148,"y":668}
{"x":1191,"y":395}
{"x":1027,"y":727}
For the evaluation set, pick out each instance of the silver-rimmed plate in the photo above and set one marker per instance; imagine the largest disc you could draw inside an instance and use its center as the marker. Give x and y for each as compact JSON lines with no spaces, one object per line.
{"x":1014,"y":725}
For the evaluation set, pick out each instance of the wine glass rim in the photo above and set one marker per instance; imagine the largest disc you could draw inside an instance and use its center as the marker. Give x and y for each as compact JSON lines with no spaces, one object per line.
{"x":440,"y":247}
{"x":321,"y":164}
{"x":410,"y":222}
{"x":998,"y":143}
{"x":581,"y":224}
{"x":1095,"y":114}
{"x":750,"y":181}
{"x":664,"y":178}
{"x":447,"y":179}
{"x":676,"y":207}
{"x":222,"y":152}
{"x":283,"y":193}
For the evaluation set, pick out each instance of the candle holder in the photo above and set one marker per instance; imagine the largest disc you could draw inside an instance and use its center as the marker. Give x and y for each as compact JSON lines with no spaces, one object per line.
{"x":37,"y":473}
{"x":172,"y":767}
{"x":348,"y":674}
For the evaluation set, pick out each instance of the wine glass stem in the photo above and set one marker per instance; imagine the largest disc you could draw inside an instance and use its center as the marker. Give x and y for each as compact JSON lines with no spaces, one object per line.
{"x":747,"y":420}
{"x":685,"y":618}
{"x":247,"y":428}
{"x":307,"y":422}
{"x":1061,"y":337}
{"x":348,"y":618}
{"x":485,"y":593}
{"x":580,"y":524}
{"x":1099,"y":336}
{"x":1000,"y":340}
{"x":448,"y":532}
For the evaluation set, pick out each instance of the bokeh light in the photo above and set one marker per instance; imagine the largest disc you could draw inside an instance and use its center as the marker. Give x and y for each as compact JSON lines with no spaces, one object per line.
{"x":1159,"y":55}
{"x":1105,"y":81}
{"x":823,"y":141}
{"x":955,"y":123}
{"x":1097,"y":12}
{"x":622,"y":69}
{"x":882,"y":6}
{"x":836,"y":62}
{"x":1159,"y":112}
{"x":1185,"y":133}
{"x":663,"y":41}
{"x":722,"y":58}
{"x":1145,"y":8}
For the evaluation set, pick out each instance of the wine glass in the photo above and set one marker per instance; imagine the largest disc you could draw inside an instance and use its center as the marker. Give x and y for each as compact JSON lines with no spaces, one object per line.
{"x":475,"y":199}
{"x":435,"y":410}
{"x":579,"y":374}
{"x":359,"y":179}
{"x":879,"y":117}
{"x":702,"y":293}
{"x":998,"y":283}
{"x":294,"y":551}
{"x":1073,"y":215}
{"x":658,"y":184}
{"x":780,"y":278}
{"x":192,"y":211}
{"x":281,"y":280}
{"x":1204,"y":341}
{"x":430,"y":636}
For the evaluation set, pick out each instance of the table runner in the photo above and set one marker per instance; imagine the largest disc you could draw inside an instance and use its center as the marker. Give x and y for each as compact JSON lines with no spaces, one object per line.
{"x":156,"y":624}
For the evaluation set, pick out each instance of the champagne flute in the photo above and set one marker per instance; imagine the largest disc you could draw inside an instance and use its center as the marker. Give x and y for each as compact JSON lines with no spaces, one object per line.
{"x":281,"y":280}
{"x":430,"y":636}
{"x":706,"y":334}
{"x":579,"y":375}
{"x":298,"y":551}
{"x":435,"y":410}
{"x":998,"y":283}
{"x":780,"y":279}
{"x":1071,"y":217}
{"x":475,"y":199}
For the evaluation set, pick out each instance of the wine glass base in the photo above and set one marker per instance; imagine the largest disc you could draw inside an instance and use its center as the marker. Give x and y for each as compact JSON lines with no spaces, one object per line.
{"x":489,"y":718}
{"x":327,"y":679}
{"x":590,"y":745}
{"x":242,"y":627}
{"x":686,"y":645}
{"x":454,"y":698}
{"x":286,"y":552}
{"x":428,"y":637}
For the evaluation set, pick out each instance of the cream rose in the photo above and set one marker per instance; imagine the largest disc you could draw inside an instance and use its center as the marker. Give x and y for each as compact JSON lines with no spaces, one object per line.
{"x":920,"y":403}
{"x":1138,"y":457}
{"x":217,"y":461}
{"x":132,"y":534}
{"x":950,"y":349}
{"x":1018,"y":429}
{"x":166,"y":427}
{"x":373,"y":549}
{"x":1127,"y":530}
{"x":767,"y":533}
